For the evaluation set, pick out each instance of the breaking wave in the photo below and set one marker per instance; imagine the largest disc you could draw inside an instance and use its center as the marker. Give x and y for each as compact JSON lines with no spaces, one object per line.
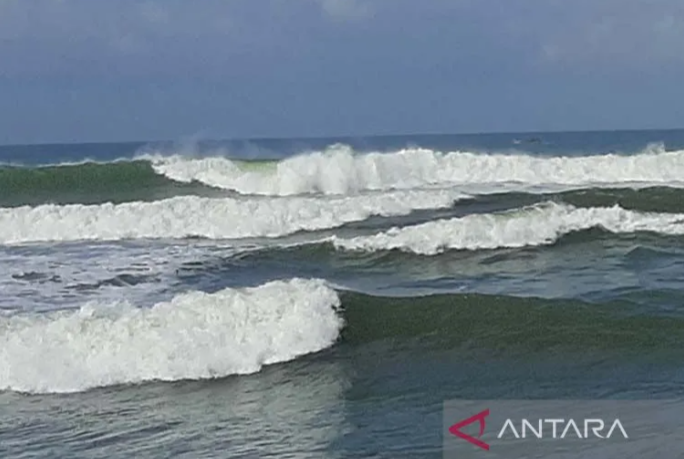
{"x":340,"y":170}
{"x":212,"y":218}
{"x":194,"y":336}
{"x":333,"y":171}
{"x":539,"y":224}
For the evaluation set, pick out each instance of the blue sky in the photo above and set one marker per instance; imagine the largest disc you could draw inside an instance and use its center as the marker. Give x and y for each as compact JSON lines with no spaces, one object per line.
{"x":100,"y":70}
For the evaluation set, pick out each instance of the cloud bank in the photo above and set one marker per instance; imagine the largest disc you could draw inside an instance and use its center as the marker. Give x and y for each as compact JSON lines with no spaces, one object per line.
{"x":167,"y":68}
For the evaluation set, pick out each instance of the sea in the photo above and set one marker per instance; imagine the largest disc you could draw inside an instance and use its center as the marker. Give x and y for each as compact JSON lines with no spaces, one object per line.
{"x":323,"y":298}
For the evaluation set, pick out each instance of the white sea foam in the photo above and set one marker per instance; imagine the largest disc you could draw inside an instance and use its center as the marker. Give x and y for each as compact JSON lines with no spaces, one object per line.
{"x":214,"y":218}
{"x":339,"y":170}
{"x":194,"y":336}
{"x":40,"y":278}
{"x":536,"y":225}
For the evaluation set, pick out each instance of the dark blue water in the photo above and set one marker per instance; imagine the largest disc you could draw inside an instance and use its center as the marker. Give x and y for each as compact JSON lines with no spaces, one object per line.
{"x":562,"y":143}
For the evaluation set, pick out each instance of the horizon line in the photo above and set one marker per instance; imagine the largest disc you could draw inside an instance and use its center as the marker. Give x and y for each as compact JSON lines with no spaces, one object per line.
{"x":337,"y":136}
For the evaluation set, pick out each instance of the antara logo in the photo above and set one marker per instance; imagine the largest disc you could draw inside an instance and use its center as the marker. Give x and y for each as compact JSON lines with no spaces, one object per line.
{"x":542,"y":428}
{"x":456,"y":429}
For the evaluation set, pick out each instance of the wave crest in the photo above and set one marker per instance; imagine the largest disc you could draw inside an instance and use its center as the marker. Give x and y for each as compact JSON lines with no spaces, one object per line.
{"x":540,"y":224}
{"x":212,"y":218}
{"x":194,"y":336}
{"x":340,"y":170}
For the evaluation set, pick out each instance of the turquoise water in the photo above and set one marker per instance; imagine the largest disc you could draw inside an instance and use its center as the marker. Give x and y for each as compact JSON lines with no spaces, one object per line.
{"x":324,"y":297}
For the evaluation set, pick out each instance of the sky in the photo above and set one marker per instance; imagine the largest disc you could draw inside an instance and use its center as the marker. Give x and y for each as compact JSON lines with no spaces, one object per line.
{"x":102,"y":70}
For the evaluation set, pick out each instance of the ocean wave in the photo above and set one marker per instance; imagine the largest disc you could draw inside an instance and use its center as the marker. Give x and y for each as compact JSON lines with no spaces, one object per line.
{"x":340,"y":170}
{"x":540,"y":224}
{"x":194,"y":336}
{"x":199,"y":335}
{"x":91,"y":183}
{"x":648,"y":199}
{"x":477,"y":322}
{"x":337,"y":170}
{"x":212,"y":218}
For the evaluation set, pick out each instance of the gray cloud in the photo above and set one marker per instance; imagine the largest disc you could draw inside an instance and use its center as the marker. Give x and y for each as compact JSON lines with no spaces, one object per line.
{"x":125,"y":36}
{"x":346,"y":9}
{"x":63,"y":36}
{"x":154,"y":68}
{"x":618,"y":33}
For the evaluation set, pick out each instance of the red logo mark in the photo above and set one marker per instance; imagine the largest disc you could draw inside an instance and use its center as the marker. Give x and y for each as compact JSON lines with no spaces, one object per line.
{"x":456,"y":429}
